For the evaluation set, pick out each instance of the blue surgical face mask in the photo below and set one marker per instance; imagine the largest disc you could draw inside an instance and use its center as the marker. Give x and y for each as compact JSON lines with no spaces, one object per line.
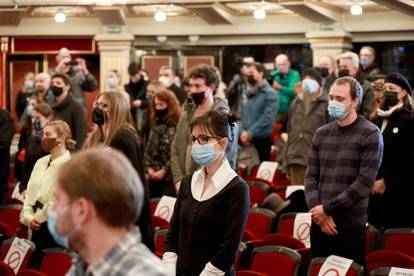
{"x":28,"y":84}
{"x":204,"y":155}
{"x":365,"y":61}
{"x":337,"y":110}
{"x":112,"y":83}
{"x":51,"y":225}
{"x":310,"y":86}
{"x":29,"y":110}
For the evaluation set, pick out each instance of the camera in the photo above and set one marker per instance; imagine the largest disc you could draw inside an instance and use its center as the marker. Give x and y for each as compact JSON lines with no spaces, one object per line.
{"x":72,"y":63}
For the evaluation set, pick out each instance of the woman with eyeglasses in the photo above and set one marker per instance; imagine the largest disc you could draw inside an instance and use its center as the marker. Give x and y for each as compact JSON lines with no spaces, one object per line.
{"x":114,"y":129}
{"x":164,"y":113}
{"x":212,"y":204}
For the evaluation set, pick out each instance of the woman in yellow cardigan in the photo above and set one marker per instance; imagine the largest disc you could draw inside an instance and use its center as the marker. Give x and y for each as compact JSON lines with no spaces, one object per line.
{"x":39,"y":195}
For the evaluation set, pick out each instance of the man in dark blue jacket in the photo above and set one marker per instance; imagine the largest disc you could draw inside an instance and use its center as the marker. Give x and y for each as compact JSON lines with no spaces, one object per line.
{"x":259,"y":108}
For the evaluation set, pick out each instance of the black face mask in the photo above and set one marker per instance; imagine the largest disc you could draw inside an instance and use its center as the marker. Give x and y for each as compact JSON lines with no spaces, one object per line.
{"x":343,"y":73}
{"x":98,"y":116}
{"x":250,"y":79}
{"x":57,"y":91}
{"x":390,"y":100}
{"x":324,"y":72}
{"x":198,"y":98}
{"x":161,"y":112}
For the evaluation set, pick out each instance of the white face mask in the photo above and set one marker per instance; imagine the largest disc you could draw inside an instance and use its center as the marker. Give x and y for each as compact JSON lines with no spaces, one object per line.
{"x":310,"y":86}
{"x":112,"y":83}
{"x":165,"y":81}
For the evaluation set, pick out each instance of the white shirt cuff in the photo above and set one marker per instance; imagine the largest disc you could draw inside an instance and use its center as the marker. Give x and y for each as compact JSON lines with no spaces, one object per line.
{"x":211,"y":270}
{"x":170,"y":260}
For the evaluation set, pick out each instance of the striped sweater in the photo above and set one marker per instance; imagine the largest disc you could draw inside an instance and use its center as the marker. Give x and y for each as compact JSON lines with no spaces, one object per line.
{"x":342,"y":170}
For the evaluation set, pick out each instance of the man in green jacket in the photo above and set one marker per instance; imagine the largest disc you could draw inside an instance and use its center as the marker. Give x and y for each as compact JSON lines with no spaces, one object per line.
{"x":283,"y":79}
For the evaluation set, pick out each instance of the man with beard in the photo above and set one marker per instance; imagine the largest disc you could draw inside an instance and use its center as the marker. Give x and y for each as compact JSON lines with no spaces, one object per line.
{"x":203,"y":85}
{"x":96,"y":220}
{"x":259,"y":111}
{"x":42,"y":88}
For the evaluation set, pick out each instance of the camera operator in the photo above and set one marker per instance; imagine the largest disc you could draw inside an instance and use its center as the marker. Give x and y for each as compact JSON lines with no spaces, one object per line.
{"x":81,"y":79}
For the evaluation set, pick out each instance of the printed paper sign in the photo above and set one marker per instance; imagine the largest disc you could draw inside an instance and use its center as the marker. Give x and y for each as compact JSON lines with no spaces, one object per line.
{"x":293,"y":188}
{"x":335,"y":266}
{"x":165,"y":208}
{"x":396,"y":271}
{"x":302,"y":228}
{"x":267,"y":170}
{"x":16,"y":254}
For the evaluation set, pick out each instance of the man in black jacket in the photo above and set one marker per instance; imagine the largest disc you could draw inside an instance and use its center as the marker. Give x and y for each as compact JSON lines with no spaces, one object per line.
{"x":6,"y":137}
{"x":137,"y":90}
{"x":68,"y":109}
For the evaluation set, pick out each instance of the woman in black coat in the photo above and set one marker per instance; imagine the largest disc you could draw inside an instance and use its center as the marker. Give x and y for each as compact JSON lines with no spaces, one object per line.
{"x":392,"y":192}
{"x":212,"y":205}
{"x":114,"y":129}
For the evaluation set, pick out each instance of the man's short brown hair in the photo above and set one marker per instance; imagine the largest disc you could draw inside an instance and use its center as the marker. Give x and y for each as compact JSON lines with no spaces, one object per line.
{"x":205,"y":72}
{"x":107,"y":179}
{"x":64,"y":77}
{"x":356,"y":88}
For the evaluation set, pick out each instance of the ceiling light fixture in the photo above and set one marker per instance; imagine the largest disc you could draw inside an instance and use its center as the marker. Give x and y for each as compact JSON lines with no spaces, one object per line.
{"x":60,"y":17}
{"x":356,"y":9}
{"x":259,"y":13}
{"x":160,"y":16}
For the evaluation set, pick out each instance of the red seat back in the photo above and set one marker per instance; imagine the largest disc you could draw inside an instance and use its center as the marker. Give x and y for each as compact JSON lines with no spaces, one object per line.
{"x":371,"y":234}
{"x":258,"y":192}
{"x":55,"y":262}
{"x":259,"y":222}
{"x":286,"y":223}
{"x":5,"y":270}
{"x":159,"y":238}
{"x":284,"y":240}
{"x":30,"y":272}
{"x":386,"y":258}
{"x":275,"y":261}
{"x":249,"y":273}
{"x":10,"y":215}
{"x":400,"y":240}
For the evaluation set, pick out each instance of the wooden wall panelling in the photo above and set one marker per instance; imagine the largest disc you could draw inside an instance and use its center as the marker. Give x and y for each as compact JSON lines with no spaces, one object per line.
{"x":191,"y":61}
{"x":152,"y":64}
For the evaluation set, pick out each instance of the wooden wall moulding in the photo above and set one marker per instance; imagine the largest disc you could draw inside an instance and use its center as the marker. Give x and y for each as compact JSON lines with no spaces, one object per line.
{"x":191,"y":61}
{"x":152,"y":64}
{"x":51,"y":45}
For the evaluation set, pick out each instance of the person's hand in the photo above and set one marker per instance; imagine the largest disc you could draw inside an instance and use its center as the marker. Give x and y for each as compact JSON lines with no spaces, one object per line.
{"x":276,"y":85}
{"x":284,"y":137}
{"x":379,"y":187}
{"x":62,"y":65}
{"x":136,"y":104}
{"x":329,"y":226}
{"x":150,"y":172}
{"x":177,"y":186}
{"x":34,"y":224}
{"x":159,"y":175}
{"x":82,"y":66}
{"x":318,"y":214}
{"x":245,"y":138}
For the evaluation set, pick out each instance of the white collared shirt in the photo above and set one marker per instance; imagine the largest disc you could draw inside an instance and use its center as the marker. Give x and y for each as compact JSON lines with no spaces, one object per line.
{"x":220,"y":179}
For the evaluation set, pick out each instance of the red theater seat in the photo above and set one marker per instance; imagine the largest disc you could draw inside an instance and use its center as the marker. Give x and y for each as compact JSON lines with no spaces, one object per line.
{"x":259,"y":222}
{"x":30,"y":272}
{"x":55,"y":262}
{"x":159,"y":238}
{"x":386,"y":258}
{"x":6,"y":246}
{"x":400,"y":240}
{"x":5,"y":270}
{"x":258,"y":192}
{"x":275,"y":261}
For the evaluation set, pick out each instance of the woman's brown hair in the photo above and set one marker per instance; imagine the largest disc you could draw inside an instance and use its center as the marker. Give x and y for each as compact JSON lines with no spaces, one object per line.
{"x":119,"y":119}
{"x":63,"y":129}
{"x":173,"y":106}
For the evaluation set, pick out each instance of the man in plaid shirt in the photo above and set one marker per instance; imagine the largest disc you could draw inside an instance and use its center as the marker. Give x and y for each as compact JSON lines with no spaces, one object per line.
{"x":98,"y":198}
